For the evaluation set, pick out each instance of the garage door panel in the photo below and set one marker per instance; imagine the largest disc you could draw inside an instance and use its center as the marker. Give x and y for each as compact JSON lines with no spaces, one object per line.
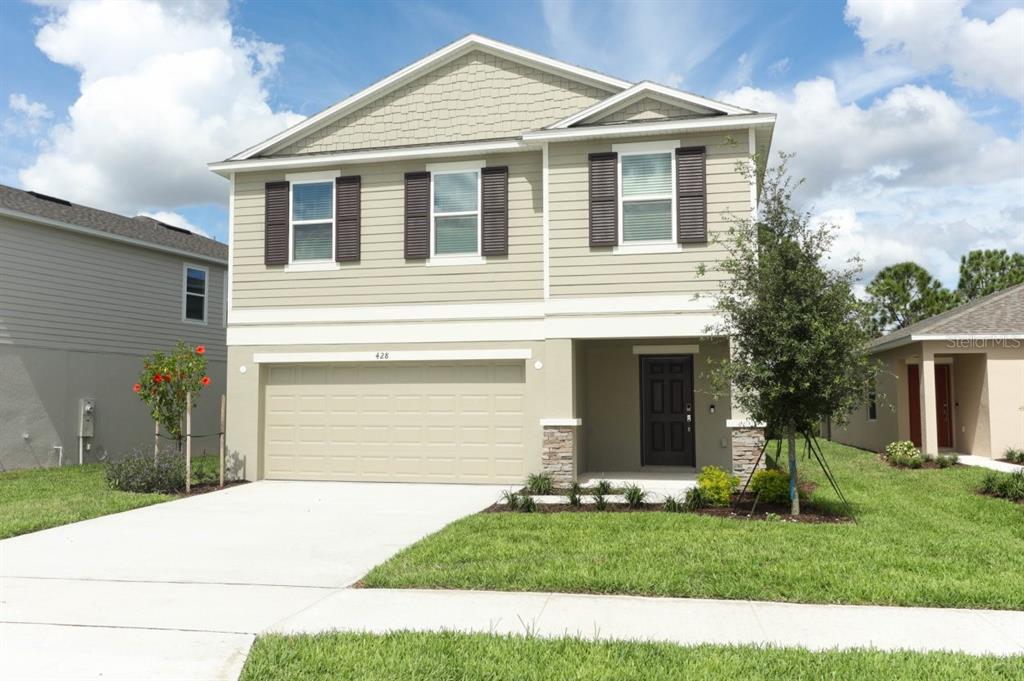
{"x":439,"y":422}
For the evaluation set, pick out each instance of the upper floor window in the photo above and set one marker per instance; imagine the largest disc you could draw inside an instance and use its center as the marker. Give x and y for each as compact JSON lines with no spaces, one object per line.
{"x":872,"y":403}
{"x":456,"y":212}
{"x":193,"y":294}
{"x":646,"y":197}
{"x":312,"y":221}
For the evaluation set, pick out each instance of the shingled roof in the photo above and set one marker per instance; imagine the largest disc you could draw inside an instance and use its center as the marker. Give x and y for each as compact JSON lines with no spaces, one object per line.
{"x":17,"y":203}
{"x":997,"y":314}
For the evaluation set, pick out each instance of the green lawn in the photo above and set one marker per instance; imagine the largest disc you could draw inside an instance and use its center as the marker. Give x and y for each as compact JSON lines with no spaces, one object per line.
{"x":470,"y":657}
{"x":35,"y":499}
{"x":924,"y":538}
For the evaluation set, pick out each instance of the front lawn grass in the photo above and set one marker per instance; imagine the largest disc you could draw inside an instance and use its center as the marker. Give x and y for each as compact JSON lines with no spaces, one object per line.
{"x":39,"y":498}
{"x":924,"y":537}
{"x":404,"y":656}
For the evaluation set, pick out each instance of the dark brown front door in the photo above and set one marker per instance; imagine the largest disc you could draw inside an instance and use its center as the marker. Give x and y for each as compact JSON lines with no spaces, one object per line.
{"x":943,"y":405}
{"x":914,"y":399}
{"x":667,"y":411}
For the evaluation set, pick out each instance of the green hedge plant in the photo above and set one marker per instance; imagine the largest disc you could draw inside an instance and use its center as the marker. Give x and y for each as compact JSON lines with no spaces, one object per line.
{"x":717,"y":485}
{"x":539,"y":483}
{"x":1014,"y":455}
{"x":143,"y":473}
{"x":904,"y":454}
{"x":772,"y":485}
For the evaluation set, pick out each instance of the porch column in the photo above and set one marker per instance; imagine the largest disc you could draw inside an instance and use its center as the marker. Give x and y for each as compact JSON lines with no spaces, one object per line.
{"x":747,"y":435}
{"x":559,"y":425}
{"x":929,"y":424}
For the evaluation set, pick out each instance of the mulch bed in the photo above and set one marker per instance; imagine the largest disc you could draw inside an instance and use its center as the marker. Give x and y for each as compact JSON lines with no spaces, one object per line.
{"x":737,"y":511}
{"x":208,"y":487}
{"x":929,"y":464}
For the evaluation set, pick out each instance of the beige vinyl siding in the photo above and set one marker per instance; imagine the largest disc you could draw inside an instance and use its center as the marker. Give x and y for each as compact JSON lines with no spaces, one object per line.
{"x":476,"y":96}
{"x":382,"y":275}
{"x":646,"y":109}
{"x":63,"y":290}
{"x":577,"y":270}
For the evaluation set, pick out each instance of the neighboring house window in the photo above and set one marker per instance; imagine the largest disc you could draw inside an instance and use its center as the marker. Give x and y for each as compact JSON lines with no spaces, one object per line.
{"x":872,"y":404}
{"x":646,"y":197}
{"x":194,"y":293}
{"x":456,"y":214}
{"x":312,"y":221}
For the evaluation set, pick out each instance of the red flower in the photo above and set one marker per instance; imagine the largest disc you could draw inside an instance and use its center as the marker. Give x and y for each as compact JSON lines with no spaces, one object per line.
{"x":167,"y":377}
{"x":136,"y":388}
{"x":206,"y":380}
{"x":200,"y":349}
{"x":157,"y":378}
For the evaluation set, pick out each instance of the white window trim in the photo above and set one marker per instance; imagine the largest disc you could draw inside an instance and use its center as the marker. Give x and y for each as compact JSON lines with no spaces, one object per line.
{"x":320,"y":178}
{"x":185,"y":267}
{"x":456,"y":167}
{"x":642,"y":149}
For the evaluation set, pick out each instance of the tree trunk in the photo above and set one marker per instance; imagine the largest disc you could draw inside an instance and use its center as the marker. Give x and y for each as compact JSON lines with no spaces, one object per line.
{"x":794,"y":496}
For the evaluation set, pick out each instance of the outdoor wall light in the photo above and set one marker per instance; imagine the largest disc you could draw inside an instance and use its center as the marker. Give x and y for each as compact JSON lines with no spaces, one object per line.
{"x":711,"y":408}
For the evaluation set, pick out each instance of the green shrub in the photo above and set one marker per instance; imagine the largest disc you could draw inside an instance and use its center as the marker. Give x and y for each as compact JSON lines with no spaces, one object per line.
{"x":717,"y":485}
{"x":946,"y":460}
{"x":1005,"y":485}
{"x":674,"y":504}
{"x":527,"y":505}
{"x":904,"y":454}
{"x":539,"y":483}
{"x":140,"y":472}
{"x":1014,"y":455}
{"x":512,"y":499}
{"x":635,"y":495}
{"x":205,"y":470}
{"x":574,"y":494}
{"x":600,"y":502}
{"x":990,"y":482}
{"x":603,"y":487}
{"x":772,"y":485}
{"x":696,"y":499}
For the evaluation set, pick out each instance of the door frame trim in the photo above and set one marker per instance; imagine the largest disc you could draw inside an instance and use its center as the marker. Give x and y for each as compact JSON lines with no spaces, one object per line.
{"x":693,"y":390}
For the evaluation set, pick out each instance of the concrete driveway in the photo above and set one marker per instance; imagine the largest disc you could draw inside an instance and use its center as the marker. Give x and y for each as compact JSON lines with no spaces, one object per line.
{"x":179,"y":590}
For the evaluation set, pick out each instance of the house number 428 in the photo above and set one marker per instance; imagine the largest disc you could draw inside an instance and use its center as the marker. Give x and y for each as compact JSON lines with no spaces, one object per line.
{"x":383,"y":355}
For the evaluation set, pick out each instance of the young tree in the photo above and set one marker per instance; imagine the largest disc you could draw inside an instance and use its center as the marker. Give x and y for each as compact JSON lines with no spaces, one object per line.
{"x":905,"y":293}
{"x":984,"y":272}
{"x":166,"y":381}
{"x":797,"y":328}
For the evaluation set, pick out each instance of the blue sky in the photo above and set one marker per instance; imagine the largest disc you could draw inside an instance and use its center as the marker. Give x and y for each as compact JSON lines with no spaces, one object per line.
{"x":907,"y":122}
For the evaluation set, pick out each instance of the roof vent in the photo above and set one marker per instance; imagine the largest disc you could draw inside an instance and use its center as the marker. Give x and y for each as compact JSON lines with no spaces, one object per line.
{"x":163,"y":224}
{"x":52,"y":199}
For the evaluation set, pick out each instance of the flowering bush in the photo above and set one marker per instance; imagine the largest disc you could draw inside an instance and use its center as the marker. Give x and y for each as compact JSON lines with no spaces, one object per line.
{"x":904,"y":454}
{"x":166,"y":380}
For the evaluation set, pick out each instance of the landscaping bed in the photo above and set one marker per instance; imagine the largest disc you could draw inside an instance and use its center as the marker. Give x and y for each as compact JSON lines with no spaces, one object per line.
{"x":449,"y":656}
{"x":922,"y":538}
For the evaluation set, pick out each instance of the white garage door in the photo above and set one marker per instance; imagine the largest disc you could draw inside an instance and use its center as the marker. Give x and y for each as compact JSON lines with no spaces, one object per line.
{"x":414,"y":422}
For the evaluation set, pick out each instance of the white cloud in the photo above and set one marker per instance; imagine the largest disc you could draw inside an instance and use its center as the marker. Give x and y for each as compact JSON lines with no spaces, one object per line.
{"x":778,"y":68}
{"x":27,"y":117}
{"x":910,"y":176}
{"x":176,"y":220}
{"x":164,"y":89}
{"x":934,"y":35}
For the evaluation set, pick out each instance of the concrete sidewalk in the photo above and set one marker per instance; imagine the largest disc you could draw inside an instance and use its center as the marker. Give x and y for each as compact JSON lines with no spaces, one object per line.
{"x":991,"y":464}
{"x":674,"y":620}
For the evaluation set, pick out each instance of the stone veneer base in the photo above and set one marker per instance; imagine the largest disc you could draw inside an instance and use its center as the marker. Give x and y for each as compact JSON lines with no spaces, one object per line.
{"x":558,"y":454}
{"x":746,"y":447}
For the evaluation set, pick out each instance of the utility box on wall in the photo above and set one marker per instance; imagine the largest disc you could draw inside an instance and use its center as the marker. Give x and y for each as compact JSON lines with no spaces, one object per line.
{"x":86,"y":417}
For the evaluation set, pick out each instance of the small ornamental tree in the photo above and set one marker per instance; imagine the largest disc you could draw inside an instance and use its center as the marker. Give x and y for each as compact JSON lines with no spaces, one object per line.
{"x":798,"y":330}
{"x":167,"y":379}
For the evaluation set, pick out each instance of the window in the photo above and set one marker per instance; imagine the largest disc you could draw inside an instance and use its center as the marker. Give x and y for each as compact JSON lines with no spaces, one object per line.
{"x":872,"y":404}
{"x":456,"y":216}
{"x":194,"y":294}
{"x":646,"y":195}
{"x":312,"y":221}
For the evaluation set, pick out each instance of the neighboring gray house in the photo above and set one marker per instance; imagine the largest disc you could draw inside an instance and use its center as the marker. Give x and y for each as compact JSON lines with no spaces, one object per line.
{"x":84,"y":295}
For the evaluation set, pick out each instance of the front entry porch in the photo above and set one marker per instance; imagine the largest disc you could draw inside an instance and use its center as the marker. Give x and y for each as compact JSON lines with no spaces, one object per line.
{"x":645,"y":411}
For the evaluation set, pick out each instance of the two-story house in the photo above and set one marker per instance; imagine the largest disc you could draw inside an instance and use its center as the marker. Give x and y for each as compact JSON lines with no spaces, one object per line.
{"x":484,"y":265}
{"x":85,"y":294}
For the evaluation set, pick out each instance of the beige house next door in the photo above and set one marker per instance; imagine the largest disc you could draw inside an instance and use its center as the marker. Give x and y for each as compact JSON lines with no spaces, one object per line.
{"x":459,"y":421}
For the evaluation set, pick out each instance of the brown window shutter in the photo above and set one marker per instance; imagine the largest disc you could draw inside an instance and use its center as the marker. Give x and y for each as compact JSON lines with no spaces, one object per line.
{"x":692,"y":195}
{"x":494,"y":210}
{"x":275,"y":230}
{"x":604,"y":199}
{"x":346,"y":218}
{"x":417,"y":215}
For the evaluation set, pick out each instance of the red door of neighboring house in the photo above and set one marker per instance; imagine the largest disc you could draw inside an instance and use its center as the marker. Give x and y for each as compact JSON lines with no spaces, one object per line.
{"x":943,"y":405}
{"x":914,"y":400}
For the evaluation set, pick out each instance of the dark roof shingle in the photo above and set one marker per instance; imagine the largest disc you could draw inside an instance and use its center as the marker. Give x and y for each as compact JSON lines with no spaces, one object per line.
{"x":140,"y":228}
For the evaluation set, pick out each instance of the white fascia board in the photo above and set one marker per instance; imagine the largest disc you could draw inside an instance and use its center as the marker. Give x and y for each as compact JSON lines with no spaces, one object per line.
{"x":371,"y":156}
{"x":639,"y":91}
{"x":561,"y":423}
{"x":391,"y":355}
{"x":733,"y":122}
{"x":967,"y":337}
{"x":58,"y":224}
{"x":451,"y":51}
{"x":744,"y":423}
